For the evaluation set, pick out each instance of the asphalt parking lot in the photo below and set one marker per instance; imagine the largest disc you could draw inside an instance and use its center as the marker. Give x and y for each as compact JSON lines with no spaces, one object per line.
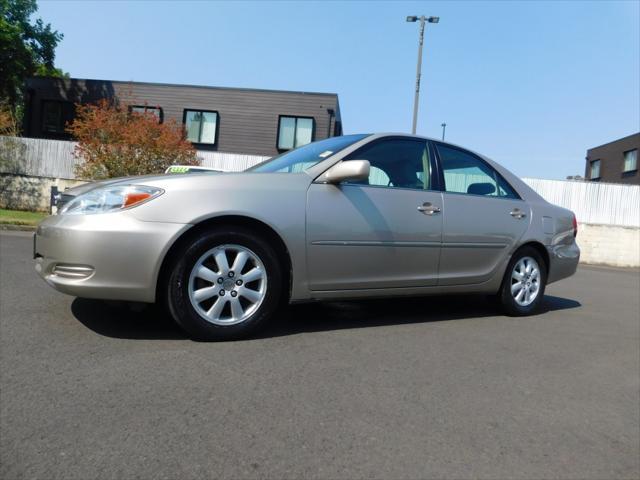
{"x":423,"y":388}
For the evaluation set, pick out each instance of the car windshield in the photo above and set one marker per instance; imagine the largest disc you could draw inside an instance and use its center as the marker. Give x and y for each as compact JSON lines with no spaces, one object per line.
{"x":307,"y":156}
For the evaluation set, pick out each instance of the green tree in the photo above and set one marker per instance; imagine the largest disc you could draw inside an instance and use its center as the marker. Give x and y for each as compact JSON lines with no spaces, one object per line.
{"x":27,"y":48}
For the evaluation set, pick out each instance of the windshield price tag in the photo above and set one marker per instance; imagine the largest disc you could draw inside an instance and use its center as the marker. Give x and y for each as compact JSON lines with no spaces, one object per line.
{"x":177,"y":169}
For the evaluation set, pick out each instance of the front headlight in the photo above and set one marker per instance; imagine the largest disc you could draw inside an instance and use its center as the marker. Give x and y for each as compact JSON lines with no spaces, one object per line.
{"x":110,"y":199}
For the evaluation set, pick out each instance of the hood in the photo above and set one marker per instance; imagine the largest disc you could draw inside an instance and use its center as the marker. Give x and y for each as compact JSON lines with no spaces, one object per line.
{"x":135,"y":179}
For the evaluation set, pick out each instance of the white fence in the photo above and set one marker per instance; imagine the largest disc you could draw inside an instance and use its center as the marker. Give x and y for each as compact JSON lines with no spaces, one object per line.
{"x":41,"y":158}
{"x":54,"y":158}
{"x":592,"y":202}
{"x":228,"y":162}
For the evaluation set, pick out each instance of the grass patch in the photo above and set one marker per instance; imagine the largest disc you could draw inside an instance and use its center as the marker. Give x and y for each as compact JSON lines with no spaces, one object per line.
{"x":18,"y":217}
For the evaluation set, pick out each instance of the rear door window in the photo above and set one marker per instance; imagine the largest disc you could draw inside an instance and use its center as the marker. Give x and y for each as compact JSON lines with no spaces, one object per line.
{"x":466,"y":173}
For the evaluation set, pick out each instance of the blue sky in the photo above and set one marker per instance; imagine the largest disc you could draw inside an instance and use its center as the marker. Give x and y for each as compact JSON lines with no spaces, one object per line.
{"x":530,"y":84}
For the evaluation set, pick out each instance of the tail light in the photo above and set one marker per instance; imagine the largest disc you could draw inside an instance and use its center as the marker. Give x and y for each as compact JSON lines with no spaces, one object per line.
{"x":575,"y":226}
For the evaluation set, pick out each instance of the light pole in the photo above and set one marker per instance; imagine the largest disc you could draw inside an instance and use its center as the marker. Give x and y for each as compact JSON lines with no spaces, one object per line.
{"x":444,"y":125}
{"x":422,"y":19}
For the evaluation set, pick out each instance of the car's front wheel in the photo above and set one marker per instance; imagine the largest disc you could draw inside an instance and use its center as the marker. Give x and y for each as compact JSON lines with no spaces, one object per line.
{"x":225,"y":285}
{"x":524,"y":283}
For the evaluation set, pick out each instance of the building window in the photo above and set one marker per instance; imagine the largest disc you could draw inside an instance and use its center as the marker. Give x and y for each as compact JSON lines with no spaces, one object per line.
{"x":595,"y":170}
{"x":55,"y":115}
{"x":294,"y":132}
{"x":630,"y":161}
{"x":337,"y":130}
{"x":201,"y":126}
{"x":142,"y":109}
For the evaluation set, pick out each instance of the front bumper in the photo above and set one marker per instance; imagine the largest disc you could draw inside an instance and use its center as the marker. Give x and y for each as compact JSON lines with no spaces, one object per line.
{"x":109,"y":256}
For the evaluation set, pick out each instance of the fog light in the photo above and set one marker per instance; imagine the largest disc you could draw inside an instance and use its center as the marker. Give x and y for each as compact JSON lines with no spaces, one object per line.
{"x":76,"y":272}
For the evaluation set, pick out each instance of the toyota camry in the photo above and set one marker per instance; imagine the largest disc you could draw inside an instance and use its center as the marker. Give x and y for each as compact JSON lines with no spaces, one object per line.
{"x":356,"y":216}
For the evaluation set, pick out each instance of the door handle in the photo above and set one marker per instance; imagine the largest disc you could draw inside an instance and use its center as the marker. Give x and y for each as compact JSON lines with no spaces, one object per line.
{"x":428,"y":209}
{"x":517,"y":213}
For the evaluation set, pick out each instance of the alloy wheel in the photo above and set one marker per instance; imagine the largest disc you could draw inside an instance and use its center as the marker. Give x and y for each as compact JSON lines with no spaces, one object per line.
{"x":525,"y":281}
{"x":227,"y":284}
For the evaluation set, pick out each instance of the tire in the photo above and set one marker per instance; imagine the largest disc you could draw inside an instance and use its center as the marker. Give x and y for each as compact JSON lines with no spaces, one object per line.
{"x":526,"y":273}
{"x":249,"y":297}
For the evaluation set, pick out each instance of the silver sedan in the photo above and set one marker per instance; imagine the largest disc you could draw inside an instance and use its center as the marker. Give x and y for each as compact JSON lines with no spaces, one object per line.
{"x":348,"y":217}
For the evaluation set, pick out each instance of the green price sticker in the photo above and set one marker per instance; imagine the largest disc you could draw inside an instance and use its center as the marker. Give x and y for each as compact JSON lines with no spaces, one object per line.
{"x":178,"y":169}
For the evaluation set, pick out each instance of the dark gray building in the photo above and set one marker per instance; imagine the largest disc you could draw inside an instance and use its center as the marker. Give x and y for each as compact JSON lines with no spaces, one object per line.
{"x":614,"y":162}
{"x":235,"y":120}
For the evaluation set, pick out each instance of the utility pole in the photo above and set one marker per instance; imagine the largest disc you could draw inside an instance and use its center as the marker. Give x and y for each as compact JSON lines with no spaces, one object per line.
{"x":422,"y":19}
{"x":444,"y":126}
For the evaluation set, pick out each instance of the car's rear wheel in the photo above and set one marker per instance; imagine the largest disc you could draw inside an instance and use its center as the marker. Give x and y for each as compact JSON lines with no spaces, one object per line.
{"x":524,"y":283}
{"x":225,"y":285}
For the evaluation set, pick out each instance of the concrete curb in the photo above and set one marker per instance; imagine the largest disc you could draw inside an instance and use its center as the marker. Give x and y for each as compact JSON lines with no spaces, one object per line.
{"x":600,"y":266}
{"x":23,"y":228}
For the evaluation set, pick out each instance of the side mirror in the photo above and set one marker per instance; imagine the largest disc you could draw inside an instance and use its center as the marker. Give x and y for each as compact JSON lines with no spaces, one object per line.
{"x":347,"y":170}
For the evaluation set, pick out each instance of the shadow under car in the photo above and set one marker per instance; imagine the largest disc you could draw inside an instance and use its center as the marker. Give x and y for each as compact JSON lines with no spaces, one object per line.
{"x":151,"y":322}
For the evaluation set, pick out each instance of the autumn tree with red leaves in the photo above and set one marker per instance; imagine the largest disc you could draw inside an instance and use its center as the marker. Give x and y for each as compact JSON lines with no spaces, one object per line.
{"x":115,"y":142}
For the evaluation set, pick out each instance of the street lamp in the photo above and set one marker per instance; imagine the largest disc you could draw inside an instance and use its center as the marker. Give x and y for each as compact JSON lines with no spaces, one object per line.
{"x":422,"y":18}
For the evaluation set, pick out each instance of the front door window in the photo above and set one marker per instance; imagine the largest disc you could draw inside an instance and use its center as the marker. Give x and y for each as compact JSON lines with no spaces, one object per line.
{"x":397,"y":163}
